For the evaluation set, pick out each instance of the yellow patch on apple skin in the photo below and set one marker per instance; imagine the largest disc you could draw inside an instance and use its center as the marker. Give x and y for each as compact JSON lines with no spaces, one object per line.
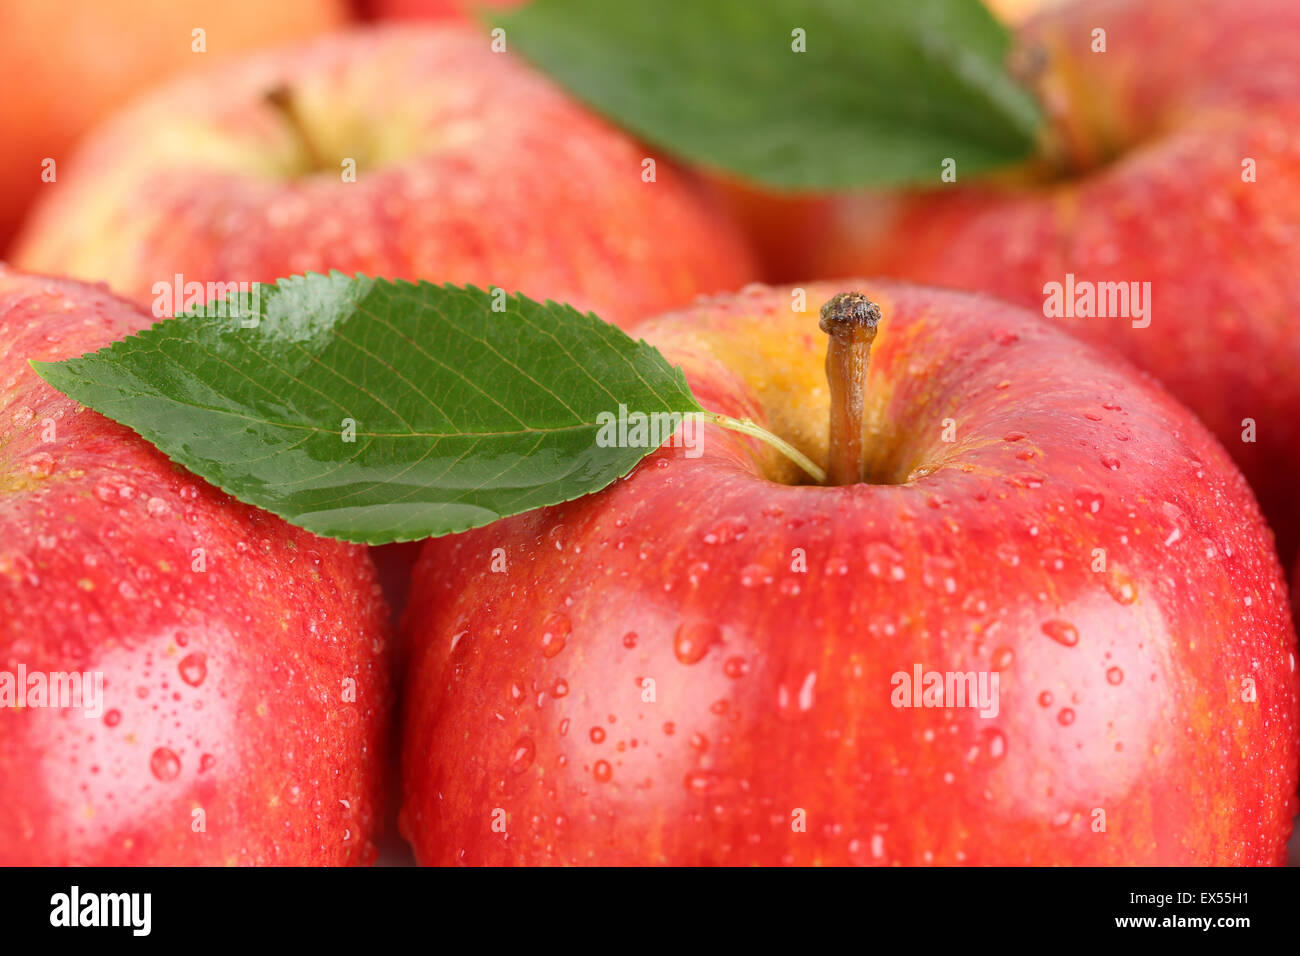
{"x":780,"y":355}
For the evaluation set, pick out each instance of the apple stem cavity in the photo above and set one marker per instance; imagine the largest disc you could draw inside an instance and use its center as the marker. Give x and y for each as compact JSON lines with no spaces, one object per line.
{"x":1065,"y":142}
{"x":747,"y":427}
{"x":281,"y":98}
{"x":850,"y":320}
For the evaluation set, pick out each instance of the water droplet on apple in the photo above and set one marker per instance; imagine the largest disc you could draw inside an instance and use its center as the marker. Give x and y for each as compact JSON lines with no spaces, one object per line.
{"x":113,"y":717}
{"x":1120,"y":587}
{"x":1114,"y":676}
{"x":736,"y":667}
{"x":40,"y":465}
{"x":597,"y":735}
{"x":703,"y":782}
{"x":1088,"y":500}
{"x":1176,"y":520}
{"x":1065,"y":717}
{"x":806,"y":689}
{"x":629,"y":639}
{"x":1002,"y":658}
{"x":555,"y":632}
{"x":1111,"y":462}
{"x":522,"y":755}
{"x":693,"y":640}
{"x":726,"y":531}
{"x":164,"y":764}
{"x":884,"y":561}
{"x":602,"y":771}
{"x":556,"y":537}
{"x":193,"y":669}
{"x":1062,"y":632}
{"x":1045,"y":699}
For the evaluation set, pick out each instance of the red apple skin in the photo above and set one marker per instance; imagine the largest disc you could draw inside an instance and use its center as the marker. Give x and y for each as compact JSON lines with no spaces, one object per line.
{"x":1186,"y":90}
{"x":430,"y":9}
{"x":222,"y":689}
{"x":472,"y":168}
{"x":524,"y":693}
{"x":66,"y":65}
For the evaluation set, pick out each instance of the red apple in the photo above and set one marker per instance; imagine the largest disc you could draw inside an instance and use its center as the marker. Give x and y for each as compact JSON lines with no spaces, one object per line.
{"x":245,"y":687}
{"x":1184,"y":173}
{"x":470,"y":168}
{"x":66,"y":64}
{"x":430,"y":9}
{"x":1035,"y":512}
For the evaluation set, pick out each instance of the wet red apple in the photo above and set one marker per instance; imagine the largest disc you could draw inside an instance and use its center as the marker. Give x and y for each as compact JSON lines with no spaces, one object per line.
{"x":710,"y":662}
{"x":244,"y":693}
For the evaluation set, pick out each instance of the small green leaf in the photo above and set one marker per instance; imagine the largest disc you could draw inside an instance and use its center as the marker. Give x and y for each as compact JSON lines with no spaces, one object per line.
{"x":885,"y":91}
{"x":462,"y":415}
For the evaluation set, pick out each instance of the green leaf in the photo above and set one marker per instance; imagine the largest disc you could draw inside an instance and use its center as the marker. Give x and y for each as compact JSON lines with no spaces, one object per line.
{"x":462,"y":414}
{"x":885,"y":91}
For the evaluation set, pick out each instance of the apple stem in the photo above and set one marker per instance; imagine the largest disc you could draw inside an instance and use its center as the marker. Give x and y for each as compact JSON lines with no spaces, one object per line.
{"x":850,"y":319}
{"x":282,"y":99}
{"x":747,"y":427}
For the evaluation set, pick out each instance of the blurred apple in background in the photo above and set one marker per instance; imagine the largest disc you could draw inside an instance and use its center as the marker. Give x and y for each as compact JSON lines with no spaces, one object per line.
{"x":410,"y":151}
{"x":780,"y":225}
{"x":1010,"y":10}
{"x":66,"y":63}
{"x":1178,"y":164}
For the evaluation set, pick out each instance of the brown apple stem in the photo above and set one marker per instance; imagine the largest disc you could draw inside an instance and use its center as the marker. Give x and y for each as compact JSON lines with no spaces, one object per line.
{"x":850,"y":319}
{"x":282,"y":99}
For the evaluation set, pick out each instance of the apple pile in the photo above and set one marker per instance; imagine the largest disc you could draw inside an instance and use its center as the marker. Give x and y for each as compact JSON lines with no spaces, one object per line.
{"x":1004,"y":600}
